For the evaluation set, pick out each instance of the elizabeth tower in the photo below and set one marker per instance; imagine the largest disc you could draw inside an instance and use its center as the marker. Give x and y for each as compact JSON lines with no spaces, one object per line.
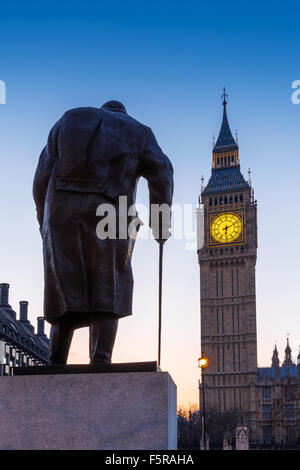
{"x":227,"y":281}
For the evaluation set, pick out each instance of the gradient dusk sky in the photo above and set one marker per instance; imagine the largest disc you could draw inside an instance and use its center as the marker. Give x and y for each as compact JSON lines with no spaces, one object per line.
{"x":168,"y":62}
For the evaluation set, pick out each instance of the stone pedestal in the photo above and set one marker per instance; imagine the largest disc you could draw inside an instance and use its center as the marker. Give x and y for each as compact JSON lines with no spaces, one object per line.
{"x":115,"y":411}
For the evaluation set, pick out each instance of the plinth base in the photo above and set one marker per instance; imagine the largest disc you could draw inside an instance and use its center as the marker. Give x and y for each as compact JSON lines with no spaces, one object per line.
{"x":88,"y":369}
{"x":119,"y":411}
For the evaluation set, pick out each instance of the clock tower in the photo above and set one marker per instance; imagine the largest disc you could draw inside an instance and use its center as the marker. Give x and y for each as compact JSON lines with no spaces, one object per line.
{"x":227,"y":262}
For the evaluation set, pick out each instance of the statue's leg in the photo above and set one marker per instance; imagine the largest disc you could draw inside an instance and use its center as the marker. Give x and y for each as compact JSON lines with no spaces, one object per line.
{"x":103,"y":332}
{"x":61,"y":334}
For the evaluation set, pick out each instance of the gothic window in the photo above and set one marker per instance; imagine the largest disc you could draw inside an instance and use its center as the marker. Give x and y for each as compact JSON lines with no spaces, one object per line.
{"x":290,"y":433}
{"x":225,"y":177}
{"x":211,"y":252}
{"x":241,"y":198}
{"x":233,"y":357}
{"x":267,"y":434}
{"x":215,"y":201}
{"x":234,"y":175}
{"x":222,"y":292}
{"x":236,"y":199}
{"x":242,"y":249}
{"x":220,"y":185}
{"x":223,"y":330}
{"x":266,"y":412}
{"x":266,"y":392}
{"x":225,"y":200}
{"x":230,"y":198}
{"x":220,"y":199}
{"x":289,"y":411}
{"x":212,"y":185}
{"x":232,"y":158}
{"x":217,"y":178}
{"x":210,"y":201}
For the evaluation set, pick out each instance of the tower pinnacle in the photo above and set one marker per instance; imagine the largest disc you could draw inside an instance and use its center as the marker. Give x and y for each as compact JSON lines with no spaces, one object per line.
{"x":275,"y":358}
{"x":224,"y":96}
{"x":288,"y":355}
{"x":225,"y":150}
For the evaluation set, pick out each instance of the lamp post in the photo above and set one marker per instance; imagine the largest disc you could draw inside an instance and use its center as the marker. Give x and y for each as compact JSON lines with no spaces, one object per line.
{"x":203,"y":363}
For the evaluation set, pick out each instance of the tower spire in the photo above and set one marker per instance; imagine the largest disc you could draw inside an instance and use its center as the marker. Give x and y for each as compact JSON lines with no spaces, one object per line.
{"x":225,"y":150}
{"x":224,"y":96}
{"x":288,"y":354}
{"x":275,"y":358}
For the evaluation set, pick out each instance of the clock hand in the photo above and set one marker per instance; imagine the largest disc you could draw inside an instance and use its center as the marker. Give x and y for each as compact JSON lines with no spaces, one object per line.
{"x":227,"y":227}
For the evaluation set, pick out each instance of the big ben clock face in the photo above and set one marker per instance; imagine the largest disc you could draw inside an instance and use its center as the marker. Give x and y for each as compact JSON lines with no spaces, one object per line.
{"x":226,"y":228}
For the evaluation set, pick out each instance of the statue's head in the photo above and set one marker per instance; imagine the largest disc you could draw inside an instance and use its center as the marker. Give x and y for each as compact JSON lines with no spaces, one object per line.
{"x":114,"y":106}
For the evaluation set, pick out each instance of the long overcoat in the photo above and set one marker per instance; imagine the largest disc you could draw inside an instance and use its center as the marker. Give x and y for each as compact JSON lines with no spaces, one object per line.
{"x":93,"y":156}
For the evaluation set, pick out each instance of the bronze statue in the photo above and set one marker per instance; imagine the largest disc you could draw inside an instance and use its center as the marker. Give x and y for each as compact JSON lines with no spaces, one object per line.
{"x":93,"y":156}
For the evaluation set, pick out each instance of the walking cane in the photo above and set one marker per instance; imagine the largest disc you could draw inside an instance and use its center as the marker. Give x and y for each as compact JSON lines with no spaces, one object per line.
{"x":161,"y":247}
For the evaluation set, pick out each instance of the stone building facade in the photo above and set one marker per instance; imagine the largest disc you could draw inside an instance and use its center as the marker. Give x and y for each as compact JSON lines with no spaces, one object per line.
{"x":267,"y":399}
{"x":19,"y":344}
{"x":278,"y":401}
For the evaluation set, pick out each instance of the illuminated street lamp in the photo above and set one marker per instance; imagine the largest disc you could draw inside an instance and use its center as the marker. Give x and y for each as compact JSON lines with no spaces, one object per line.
{"x":203,"y":363}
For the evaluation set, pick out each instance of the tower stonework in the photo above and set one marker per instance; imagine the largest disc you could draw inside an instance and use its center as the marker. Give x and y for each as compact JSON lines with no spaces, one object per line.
{"x":227,"y":282}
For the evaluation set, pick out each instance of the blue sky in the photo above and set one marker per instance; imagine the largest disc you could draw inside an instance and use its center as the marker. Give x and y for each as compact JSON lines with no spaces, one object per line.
{"x":168,"y":62}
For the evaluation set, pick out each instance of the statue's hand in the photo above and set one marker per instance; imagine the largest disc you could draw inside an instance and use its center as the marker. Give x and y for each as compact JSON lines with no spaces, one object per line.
{"x":164,"y":234}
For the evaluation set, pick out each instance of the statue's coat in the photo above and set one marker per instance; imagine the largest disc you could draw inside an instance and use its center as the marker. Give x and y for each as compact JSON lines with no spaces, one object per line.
{"x":92,"y":156}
